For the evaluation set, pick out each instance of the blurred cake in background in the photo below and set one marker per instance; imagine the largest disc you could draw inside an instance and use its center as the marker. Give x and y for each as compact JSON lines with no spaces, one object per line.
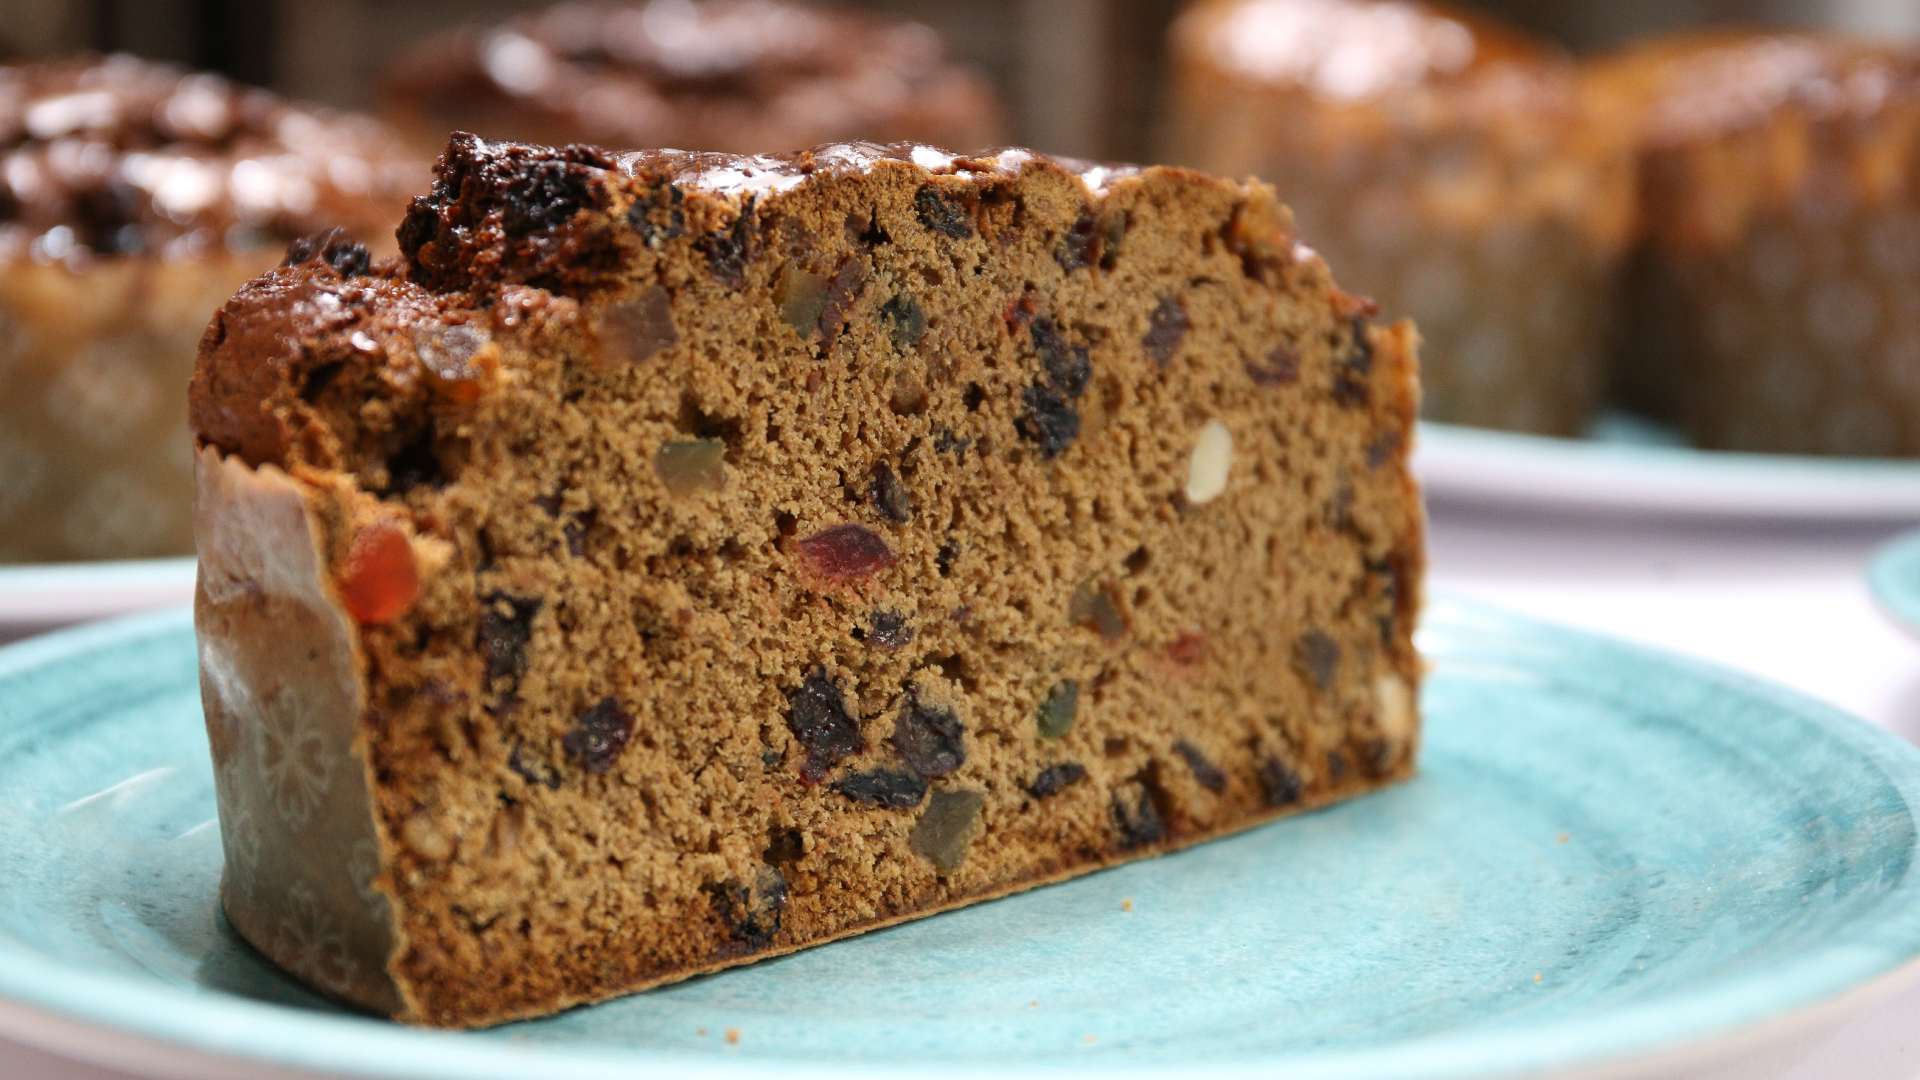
{"x":745,"y":76}
{"x":1454,"y":169}
{"x":134,"y":198}
{"x":1774,"y":298}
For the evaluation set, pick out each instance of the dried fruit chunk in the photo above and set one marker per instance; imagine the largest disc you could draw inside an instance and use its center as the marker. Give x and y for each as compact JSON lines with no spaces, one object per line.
{"x":598,"y":736}
{"x":884,"y":787}
{"x":1091,"y":605}
{"x":946,"y":827}
{"x":817,"y":715}
{"x":931,"y":740}
{"x":889,"y":630}
{"x":801,"y":297}
{"x":1050,"y":418}
{"x":506,"y":627}
{"x":1057,"y":712}
{"x":906,"y":323}
{"x":727,"y":251}
{"x":1210,"y":463}
{"x":1350,"y":376}
{"x":1282,"y":368}
{"x":635,"y":329}
{"x":844,"y":553}
{"x":334,"y":247}
{"x":942,"y":214}
{"x":378,"y":581}
{"x":452,"y":357}
{"x":1279,"y":783}
{"x":844,"y":291}
{"x":1135,"y":816}
{"x":1205,"y":772}
{"x":889,"y":494}
{"x":1052,"y":779}
{"x":686,"y":466}
{"x":1067,"y":365}
{"x":1317,"y":656}
{"x":1167,"y":327}
{"x":1188,"y":649}
{"x":751,"y":913}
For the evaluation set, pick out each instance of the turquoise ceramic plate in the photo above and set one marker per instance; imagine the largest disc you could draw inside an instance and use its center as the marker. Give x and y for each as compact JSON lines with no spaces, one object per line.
{"x":1894,"y":578}
{"x":1625,"y":464}
{"x":1609,"y":854}
{"x":36,"y":596}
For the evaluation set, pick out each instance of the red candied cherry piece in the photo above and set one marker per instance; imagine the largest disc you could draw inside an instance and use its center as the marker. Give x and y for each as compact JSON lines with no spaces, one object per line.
{"x":845,"y":553}
{"x":379,"y":581}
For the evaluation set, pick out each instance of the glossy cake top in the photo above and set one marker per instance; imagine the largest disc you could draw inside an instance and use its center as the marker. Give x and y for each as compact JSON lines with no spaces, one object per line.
{"x":110,"y":156}
{"x":1351,"y":50}
{"x":725,"y":74}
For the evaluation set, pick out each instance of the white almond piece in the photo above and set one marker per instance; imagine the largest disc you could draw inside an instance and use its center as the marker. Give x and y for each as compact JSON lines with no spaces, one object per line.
{"x":1212,"y":460}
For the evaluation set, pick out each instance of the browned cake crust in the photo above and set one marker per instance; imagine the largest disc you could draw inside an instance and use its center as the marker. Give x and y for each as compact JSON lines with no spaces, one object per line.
{"x":676,"y":560}
{"x":1449,"y":166}
{"x":1772,"y":299}
{"x":134,"y":198}
{"x":733,"y":75}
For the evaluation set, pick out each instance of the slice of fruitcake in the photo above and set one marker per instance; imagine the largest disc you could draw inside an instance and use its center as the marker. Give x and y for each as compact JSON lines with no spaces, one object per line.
{"x":674,"y":560}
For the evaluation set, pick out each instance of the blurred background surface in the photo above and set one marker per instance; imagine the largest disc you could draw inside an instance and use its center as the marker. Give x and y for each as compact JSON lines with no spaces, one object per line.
{"x":1083,"y":76}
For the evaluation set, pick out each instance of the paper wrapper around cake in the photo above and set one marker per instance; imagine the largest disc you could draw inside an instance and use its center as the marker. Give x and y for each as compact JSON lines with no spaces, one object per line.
{"x":676,"y":560}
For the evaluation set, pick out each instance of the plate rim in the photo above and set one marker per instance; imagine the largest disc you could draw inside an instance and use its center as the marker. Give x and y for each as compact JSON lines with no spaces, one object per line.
{"x":52,"y":594}
{"x":228,"y":1026}
{"x":1567,"y":473}
{"x":1889,"y":570}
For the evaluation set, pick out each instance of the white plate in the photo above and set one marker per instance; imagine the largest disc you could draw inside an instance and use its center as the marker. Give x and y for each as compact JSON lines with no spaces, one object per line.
{"x":41,"y":596}
{"x":1635,"y":466}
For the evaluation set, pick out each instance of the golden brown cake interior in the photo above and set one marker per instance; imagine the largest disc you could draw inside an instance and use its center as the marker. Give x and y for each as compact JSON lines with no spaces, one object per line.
{"x":731,"y":554}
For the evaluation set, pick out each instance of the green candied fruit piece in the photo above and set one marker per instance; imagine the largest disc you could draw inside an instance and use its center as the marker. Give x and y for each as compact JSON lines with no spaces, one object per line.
{"x":802,"y":298}
{"x":1058,"y":710}
{"x":946,"y":827}
{"x":690,"y":465}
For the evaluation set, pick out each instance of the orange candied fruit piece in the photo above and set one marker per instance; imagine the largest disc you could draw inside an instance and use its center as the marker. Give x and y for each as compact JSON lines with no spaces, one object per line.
{"x":379,"y":581}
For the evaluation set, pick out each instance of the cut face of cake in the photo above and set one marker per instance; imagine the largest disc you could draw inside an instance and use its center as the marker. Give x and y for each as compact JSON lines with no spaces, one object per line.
{"x":675,"y":560}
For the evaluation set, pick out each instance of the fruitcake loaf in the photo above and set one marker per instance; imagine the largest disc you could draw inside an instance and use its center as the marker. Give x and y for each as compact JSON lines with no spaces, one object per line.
{"x":1772,"y":296}
{"x":1450,"y":166}
{"x":134,"y":198}
{"x":673,"y":560}
{"x":737,"y":75}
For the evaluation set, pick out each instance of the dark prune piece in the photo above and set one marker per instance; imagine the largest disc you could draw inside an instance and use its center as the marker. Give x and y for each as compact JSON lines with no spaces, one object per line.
{"x":1205,"y":772}
{"x":1066,"y":364}
{"x":598,"y":736}
{"x":1279,"y":783}
{"x":1053,"y":779}
{"x":930,"y":739}
{"x":550,"y":191}
{"x":946,"y":442}
{"x":634,"y":329}
{"x":1317,"y":656}
{"x":751,"y":913}
{"x":944,"y":558}
{"x":883,"y":787}
{"x":844,"y":553}
{"x":1079,"y":248}
{"x":1050,"y":420}
{"x":333,"y":247}
{"x":1282,"y":368}
{"x":942,"y":214}
{"x":531,"y":773}
{"x":889,"y":495}
{"x":889,"y":630}
{"x":1057,"y":711}
{"x":1350,"y":376}
{"x":506,"y":626}
{"x":784,"y":846}
{"x":1166,"y":328}
{"x":906,"y":323}
{"x":727,"y":251}
{"x":1336,"y":766}
{"x":1092,"y":605}
{"x":1136,"y":816}
{"x":946,"y":827}
{"x":848,"y":284}
{"x":817,"y":715}
{"x":686,"y":466}
{"x":659,"y":217}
